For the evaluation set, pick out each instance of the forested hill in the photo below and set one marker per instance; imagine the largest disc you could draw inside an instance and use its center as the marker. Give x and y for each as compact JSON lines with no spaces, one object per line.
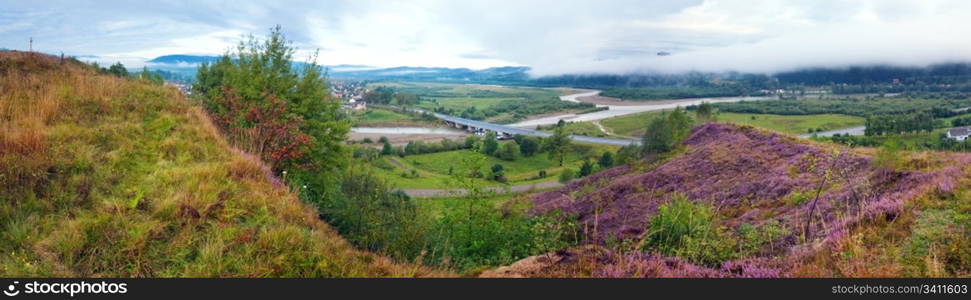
{"x":869,"y":78}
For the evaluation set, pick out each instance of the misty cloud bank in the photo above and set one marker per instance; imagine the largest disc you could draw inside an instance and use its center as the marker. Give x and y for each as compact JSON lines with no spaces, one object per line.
{"x":552,"y":37}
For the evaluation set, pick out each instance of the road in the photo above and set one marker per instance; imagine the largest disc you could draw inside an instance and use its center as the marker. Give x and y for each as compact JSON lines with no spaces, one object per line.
{"x":429,"y":193}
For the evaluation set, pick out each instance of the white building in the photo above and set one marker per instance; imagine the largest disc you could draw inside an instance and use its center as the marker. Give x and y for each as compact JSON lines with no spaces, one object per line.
{"x":959,"y":133}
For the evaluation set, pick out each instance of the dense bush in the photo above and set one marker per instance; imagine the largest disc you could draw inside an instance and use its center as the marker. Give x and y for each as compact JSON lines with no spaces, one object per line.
{"x":374,"y":219}
{"x":566,"y":175}
{"x":469,"y":233}
{"x":664,"y":133}
{"x":690,"y":231}
{"x":267,"y":107}
{"x":509,"y":151}
{"x":606,"y":160}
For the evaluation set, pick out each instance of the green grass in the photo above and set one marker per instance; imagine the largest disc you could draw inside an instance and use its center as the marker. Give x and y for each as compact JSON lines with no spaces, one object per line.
{"x":581,"y":128}
{"x":948,"y":120}
{"x":630,"y":125}
{"x":383,"y":117}
{"x":462,"y":96}
{"x":793,"y":124}
{"x":433,"y":168}
{"x":112,"y":177}
{"x":436,"y":206}
{"x":634,"y":124}
{"x":462,"y":103}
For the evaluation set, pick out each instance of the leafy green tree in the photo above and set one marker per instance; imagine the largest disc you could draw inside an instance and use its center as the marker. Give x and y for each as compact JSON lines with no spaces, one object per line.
{"x":386,"y":149}
{"x":705,"y":112}
{"x":379,"y":95}
{"x":627,"y":154}
{"x":404,"y":99}
{"x":471,"y":142}
{"x":498,"y":174}
{"x":528,"y":146}
{"x":118,"y":69}
{"x":585,"y":169}
{"x":509,"y":151}
{"x":269,"y":108}
{"x":664,"y":132}
{"x":557,"y":145}
{"x":489,"y":144}
{"x":680,"y":124}
{"x":658,"y":137}
{"x":151,"y":77}
{"x":411,"y":148}
{"x":374,"y":217}
{"x":606,"y":160}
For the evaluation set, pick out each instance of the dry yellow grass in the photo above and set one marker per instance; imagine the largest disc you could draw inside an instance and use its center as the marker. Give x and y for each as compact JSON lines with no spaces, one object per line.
{"x":105,"y":176}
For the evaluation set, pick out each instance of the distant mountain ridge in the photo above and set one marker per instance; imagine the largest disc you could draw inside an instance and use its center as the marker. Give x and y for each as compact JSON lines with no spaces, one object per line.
{"x":183,"y":58}
{"x":186,"y":65}
{"x":888,"y":78}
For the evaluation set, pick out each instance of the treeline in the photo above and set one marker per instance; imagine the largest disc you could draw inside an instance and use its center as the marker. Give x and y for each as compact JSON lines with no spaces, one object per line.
{"x":901,"y":123}
{"x":914,"y":142}
{"x":389,"y":95}
{"x":961,"y":121}
{"x":940,"y":107}
{"x":119,"y":70}
{"x":950,"y":77}
{"x":950,"y":73}
{"x":677,"y":92}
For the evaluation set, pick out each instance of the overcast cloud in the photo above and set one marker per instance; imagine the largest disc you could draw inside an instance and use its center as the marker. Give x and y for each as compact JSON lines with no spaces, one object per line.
{"x":552,"y":37}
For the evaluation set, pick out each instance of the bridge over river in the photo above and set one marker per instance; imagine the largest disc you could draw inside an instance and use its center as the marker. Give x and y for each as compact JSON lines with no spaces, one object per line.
{"x":508,"y":131}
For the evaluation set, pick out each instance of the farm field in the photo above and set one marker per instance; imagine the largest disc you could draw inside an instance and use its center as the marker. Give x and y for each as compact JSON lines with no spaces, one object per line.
{"x":793,"y":124}
{"x":499,"y":104}
{"x":633,"y":125}
{"x":383,"y":117}
{"x":433,"y":168}
{"x":578,"y":128}
{"x":630,"y":125}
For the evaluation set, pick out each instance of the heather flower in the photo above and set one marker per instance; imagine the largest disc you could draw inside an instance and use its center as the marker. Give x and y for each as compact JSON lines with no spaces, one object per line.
{"x":749,"y":176}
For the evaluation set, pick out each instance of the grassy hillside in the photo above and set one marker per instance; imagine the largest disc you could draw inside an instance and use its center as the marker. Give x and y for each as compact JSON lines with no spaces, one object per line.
{"x":105,"y":176}
{"x":737,"y":201}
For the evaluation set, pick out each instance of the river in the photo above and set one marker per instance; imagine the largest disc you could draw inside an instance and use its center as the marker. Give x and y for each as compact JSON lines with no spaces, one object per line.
{"x":620,"y":110}
{"x":859,"y":130}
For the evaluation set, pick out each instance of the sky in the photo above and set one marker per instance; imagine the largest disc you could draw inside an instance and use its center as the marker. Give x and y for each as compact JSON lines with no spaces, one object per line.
{"x":551,"y":37}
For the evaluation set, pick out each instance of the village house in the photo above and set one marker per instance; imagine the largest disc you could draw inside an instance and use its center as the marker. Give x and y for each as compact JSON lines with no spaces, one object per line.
{"x":959,"y":133}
